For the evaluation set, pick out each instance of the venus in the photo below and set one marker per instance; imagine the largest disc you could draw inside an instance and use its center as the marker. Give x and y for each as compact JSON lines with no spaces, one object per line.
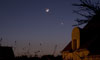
{"x":47,"y":10}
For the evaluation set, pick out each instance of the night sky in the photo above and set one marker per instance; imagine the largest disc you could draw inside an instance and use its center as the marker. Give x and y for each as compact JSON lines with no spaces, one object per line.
{"x":26,"y":26}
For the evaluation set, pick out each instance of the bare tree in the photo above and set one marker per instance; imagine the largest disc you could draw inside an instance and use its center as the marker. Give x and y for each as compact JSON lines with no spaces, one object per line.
{"x":87,"y":9}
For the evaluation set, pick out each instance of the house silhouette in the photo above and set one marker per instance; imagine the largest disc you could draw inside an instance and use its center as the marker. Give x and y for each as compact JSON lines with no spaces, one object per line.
{"x":85,"y":43}
{"x":6,"y":53}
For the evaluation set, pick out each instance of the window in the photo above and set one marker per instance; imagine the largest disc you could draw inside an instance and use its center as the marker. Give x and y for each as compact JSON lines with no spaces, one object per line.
{"x":74,"y":44}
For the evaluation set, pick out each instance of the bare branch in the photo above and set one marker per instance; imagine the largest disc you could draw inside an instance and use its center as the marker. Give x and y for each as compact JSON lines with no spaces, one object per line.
{"x":87,"y":9}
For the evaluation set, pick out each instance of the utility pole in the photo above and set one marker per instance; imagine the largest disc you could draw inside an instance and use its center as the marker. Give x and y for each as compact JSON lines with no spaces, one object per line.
{"x":0,"y":41}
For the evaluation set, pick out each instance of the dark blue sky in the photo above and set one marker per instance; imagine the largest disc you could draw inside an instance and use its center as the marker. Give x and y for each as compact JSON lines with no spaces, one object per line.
{"x":25,"y":21}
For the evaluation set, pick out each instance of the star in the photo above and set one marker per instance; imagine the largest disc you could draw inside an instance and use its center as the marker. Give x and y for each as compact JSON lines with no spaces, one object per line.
{"x":62,"y":23}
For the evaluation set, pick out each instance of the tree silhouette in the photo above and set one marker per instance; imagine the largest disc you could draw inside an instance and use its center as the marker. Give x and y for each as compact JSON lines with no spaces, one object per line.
{"x":87,"y":9}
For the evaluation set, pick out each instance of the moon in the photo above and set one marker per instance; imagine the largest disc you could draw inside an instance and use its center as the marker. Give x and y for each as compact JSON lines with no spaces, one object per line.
{"x":47,"y":10}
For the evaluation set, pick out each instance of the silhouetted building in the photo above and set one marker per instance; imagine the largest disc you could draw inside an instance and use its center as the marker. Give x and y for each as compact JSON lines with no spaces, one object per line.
{"x":48,"y":57}
{"x":6,"y":53}
{"x":85,"y":43}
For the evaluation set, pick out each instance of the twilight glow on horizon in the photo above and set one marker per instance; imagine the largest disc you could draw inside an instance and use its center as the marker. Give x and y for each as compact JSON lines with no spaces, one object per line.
{"x":30,"y":26}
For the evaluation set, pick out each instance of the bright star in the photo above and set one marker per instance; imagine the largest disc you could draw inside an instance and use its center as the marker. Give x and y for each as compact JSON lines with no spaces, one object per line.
{"x":47,"y":10}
